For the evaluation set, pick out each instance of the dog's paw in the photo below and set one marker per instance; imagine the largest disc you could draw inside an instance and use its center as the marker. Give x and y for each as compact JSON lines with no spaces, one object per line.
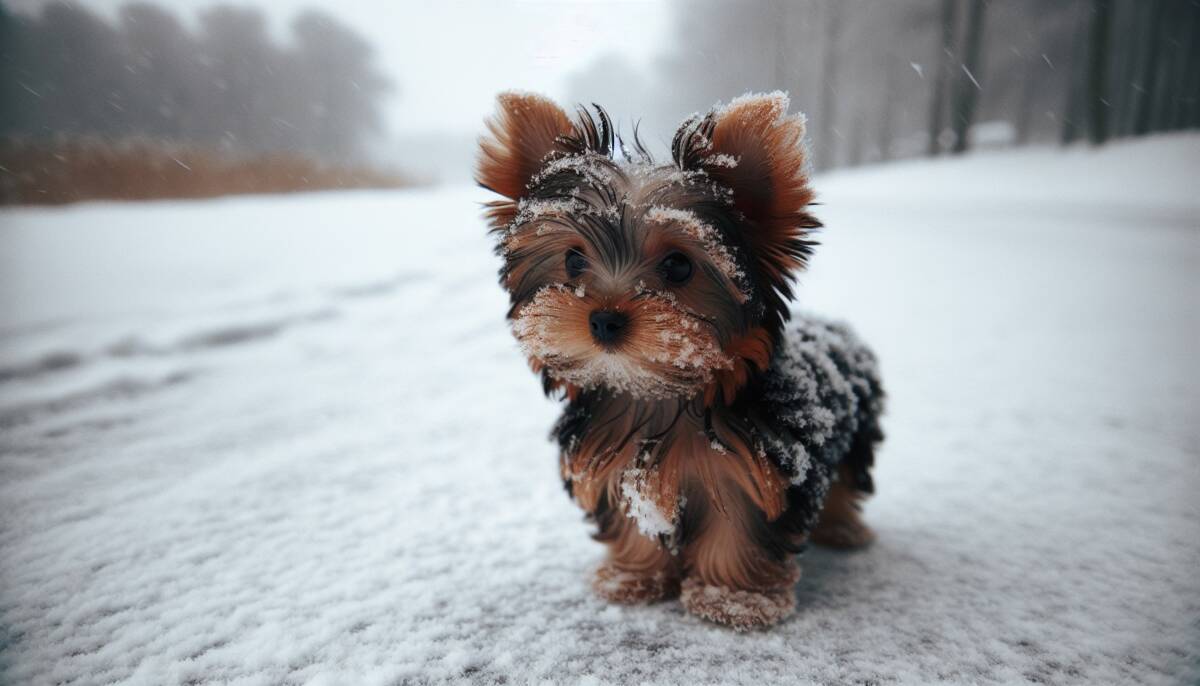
{"x":628,"y":588}
{"x":740,"y":610}
{"x":845,"y":534}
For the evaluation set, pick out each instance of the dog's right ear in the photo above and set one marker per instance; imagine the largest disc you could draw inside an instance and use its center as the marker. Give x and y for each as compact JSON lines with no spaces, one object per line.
{"x":526,"y":129}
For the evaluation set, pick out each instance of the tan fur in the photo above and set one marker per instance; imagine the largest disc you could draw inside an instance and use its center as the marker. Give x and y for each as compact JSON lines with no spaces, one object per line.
{"x":665,"y":352}
{"x":728,"y":489}
{"x":638,"y":570}
{"x":770,"y":179}
{"x":524,"y":131}
{"x":750,"y":353}
{"x":723,"y":472}
{"x":723,"y":554}
{"x":731,"y":470}
{"x":841,"y":524}
{"x":724,"y":576}
{"x":739,"y":609}
{"x":630,"y":588}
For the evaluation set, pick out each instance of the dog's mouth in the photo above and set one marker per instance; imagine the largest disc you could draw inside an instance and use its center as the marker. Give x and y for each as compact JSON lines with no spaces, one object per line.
{"x":648,"y":347}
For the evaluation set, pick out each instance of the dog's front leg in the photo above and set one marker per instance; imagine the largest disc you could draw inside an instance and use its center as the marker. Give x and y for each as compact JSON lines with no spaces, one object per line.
{"x":729,"y":576}
{"x":638,"y":569}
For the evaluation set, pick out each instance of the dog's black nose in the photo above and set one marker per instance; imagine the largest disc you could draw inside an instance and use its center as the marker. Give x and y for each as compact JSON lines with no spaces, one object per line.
{"x":607,"y":326}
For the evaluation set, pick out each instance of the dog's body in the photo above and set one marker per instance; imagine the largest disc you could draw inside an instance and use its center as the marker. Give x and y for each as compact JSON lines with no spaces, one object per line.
{"x":707,"y":441}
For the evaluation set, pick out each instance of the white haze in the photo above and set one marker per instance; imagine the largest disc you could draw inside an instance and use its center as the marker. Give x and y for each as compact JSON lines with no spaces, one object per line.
{"x":449,"y":59}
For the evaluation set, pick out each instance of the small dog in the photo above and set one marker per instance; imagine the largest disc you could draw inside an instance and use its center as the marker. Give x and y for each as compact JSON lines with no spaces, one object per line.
{"x":706,"y":438}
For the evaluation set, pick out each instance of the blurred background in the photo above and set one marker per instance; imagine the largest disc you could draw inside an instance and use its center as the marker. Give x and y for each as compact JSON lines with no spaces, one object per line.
{"x":109,"y":99}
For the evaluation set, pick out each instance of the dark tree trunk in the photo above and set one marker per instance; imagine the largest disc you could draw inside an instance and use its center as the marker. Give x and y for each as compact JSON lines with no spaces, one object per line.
{"x":1186,"y":84}
{"x":1193,"y":86}
{"x":1097,"y":83}
{"x":887,"y":107}
{"x":941,"y":75}
{"x":967,"y":94}
{"x":1024,"y":119}
{"x":1150,"y":69}
{"x":1071,"y":115}
{"x":1168,"y":65}
{"x":1134,"y":22}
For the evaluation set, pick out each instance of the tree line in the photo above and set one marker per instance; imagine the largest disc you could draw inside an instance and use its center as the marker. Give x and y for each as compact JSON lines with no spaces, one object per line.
{"x":926,"y":77}
{"x":224,"y":84}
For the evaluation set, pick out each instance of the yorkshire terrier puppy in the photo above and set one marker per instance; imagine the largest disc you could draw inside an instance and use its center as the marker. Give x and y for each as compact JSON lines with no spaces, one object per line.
{"x":706,"y":438}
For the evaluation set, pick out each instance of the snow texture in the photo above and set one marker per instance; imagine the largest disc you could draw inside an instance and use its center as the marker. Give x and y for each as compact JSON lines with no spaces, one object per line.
{"x":287,"y":440}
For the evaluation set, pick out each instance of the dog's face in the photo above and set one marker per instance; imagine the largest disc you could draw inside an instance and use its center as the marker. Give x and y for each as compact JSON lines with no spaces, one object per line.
{"x":655,"y":280}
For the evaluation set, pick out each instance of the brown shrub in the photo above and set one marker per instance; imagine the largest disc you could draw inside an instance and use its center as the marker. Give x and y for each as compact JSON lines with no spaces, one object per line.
{"x":71,"y":169}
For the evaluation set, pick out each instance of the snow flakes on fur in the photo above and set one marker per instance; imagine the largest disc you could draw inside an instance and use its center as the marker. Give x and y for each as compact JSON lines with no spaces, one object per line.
{"x":821,"y":391}
{"x":740,"y":610}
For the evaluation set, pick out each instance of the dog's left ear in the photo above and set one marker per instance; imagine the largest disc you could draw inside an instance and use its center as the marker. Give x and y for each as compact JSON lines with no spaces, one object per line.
{"x":526,"y":130}
{"x":753,"y":148}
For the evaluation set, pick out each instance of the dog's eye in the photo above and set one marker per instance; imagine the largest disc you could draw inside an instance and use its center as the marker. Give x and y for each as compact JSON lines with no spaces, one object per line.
{"x":576,"y":263}
{"x":676,"y":267}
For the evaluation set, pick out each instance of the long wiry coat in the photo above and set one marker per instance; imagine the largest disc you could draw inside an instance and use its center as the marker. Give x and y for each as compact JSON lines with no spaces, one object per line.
{"x":816,"y":408}
{"x":704,"y":442}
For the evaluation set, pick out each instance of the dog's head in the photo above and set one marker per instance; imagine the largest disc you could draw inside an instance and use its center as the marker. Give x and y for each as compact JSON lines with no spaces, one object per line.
{"x":656,"y":280}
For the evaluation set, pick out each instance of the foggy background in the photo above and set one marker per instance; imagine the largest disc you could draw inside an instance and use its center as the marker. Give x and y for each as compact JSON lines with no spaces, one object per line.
{"x":396,"y":94}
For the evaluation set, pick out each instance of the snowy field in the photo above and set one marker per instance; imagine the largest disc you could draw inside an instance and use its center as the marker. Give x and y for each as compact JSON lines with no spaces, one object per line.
{"x":290,"y":440}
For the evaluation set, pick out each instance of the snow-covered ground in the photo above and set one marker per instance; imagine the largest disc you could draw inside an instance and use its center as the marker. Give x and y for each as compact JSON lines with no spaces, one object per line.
{"x":285,"y":440}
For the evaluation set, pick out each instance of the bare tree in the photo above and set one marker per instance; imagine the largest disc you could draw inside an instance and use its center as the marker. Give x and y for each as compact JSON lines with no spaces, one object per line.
{"x":1160,"y":110}
{"x":69,"y":71}
{"x":886,"y":108}
{"x":1097,"y":82}
{"x":1192,"y":85}
{"x":19,"y":87}
{"x":160,"y":72}
{"x":1024,"y":114}
{"x":343,"y":90}
{"x":937,"y":105}
{"x":1024,"y":62}
{"x":1133,"y":20}
{"x":1184,"y":86}
{"x":967,"y":94}
{"x":1070,"y":131}
{"x":79,"y":67}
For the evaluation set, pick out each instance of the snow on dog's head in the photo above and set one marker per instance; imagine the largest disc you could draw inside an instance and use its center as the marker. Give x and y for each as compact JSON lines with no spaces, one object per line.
{"x":659,"y":280}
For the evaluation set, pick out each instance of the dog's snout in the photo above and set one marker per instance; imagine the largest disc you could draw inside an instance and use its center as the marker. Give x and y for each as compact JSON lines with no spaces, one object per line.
{"x":606,"y":325}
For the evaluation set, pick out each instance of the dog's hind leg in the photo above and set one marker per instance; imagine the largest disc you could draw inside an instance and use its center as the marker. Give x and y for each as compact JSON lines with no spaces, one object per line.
{"x":840,"y":524}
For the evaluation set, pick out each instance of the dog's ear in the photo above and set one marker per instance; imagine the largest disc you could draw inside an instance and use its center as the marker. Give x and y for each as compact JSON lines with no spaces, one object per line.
{"x":526,"y":129}
{"x":755,"y":150}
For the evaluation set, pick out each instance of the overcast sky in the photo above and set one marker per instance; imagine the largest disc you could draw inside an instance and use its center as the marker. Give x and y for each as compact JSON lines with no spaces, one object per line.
{"x":450,"y":58}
